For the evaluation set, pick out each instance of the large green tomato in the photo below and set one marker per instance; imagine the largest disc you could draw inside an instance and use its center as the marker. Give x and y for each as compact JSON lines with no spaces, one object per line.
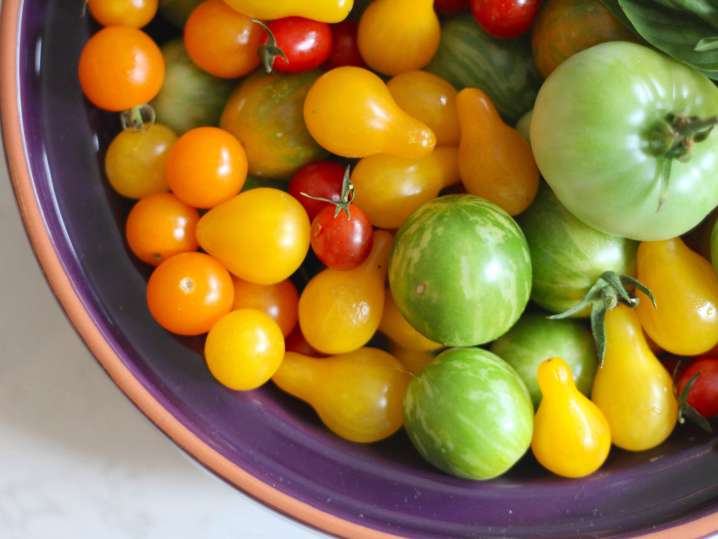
{"x":568,"y":256}
{"x":469,"y":414}
{"x":536,"y":338}
{"x":460,"y":271}
{"x":613,"y":132}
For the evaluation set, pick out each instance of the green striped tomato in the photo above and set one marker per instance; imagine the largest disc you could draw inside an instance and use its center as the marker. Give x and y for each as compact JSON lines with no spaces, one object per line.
{"x":569,"y":256}
{"x":469,"y":414}
{"x":460,"y":271}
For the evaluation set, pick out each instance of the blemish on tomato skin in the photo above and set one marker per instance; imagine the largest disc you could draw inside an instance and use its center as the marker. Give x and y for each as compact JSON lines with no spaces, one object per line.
{"x":421,"y":289}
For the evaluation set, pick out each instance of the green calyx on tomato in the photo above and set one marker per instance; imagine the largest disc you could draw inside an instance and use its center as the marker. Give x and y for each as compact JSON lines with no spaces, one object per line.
{"x":346,"y":197}
{"x":138,"y":117}
{"x":609,"y":290}
{"x":270,"y":51}
{"x":686,"y":411}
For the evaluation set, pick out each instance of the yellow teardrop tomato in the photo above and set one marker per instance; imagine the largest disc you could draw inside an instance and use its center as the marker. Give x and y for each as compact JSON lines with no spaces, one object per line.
{"x":394,"y":325}
{"x":571,"y":435}
{"x":389,"y":189}
{"x":431,"y":99}
{"x":685,"y":318}
{"x":318,"y":10}
{"x":350,"y":112}
{"x":358,"y":396}
{"x":339,"y":311}
{"x":244,"y":349}
{"x":495,"y":161}
{"x":632,"y":388}
{"x":399,"y":35}
{"x":261,"y":235}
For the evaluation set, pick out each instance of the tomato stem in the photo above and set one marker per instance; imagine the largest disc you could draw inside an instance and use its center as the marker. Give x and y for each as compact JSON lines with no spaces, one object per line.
{"x":138,"y":117}
{"x":607,"y":292}
{"x":270,"y":51}
{"x":347,"y":196}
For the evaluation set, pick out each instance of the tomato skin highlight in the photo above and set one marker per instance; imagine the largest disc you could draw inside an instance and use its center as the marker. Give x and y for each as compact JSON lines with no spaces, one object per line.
{"x":505,"y":18}
{"x":321,"y":179}
{"x":307,"y":44}
{"x":703,"y":395}
{"x":121,"y":68}
{"x":342,"y":241}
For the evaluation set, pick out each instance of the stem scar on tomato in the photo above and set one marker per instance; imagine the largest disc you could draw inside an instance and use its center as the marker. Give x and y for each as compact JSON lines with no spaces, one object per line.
{"x":138,"y":117}
{"x":608,"y":291}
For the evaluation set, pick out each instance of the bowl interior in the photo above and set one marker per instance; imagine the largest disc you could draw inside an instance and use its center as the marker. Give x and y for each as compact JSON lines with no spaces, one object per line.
{"x":274,"y":438}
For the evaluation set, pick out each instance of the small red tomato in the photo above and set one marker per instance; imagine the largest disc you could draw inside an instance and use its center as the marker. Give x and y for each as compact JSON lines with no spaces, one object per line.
{"x":298,"y":344}
{"x":319,"y":180}
{"x":449,"y":7}
{"x":342,"y":240}
{"x":505,"y":18}
{"x":703,"y":395}
{"x":295,"y":44}
{"x":346,"y":46}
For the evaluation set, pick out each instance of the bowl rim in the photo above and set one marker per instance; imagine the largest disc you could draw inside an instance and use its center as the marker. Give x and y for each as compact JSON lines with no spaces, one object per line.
{"x":63,"y":289}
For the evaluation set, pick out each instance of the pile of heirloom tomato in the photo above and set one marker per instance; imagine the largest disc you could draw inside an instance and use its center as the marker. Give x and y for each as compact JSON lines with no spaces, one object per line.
{"x":488,"y":223}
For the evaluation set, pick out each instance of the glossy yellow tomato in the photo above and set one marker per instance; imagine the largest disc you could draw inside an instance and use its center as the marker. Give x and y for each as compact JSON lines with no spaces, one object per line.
{"x":399,"y":35}
{"x":279,"y":301}
{"x":261,"y":235}
{"x":389,"y":189}
{"x":571,"y":437}
{"x":244,"y":349}
{"x":358,"y":396}
{"x":206,"y":166}
{"x":160,"y":226}
{"x":188,"y":293}
{"x":632,"y":388}
{"x":495,"y":161}
{"x":134,"y":13}
{"x":394,"y":325}
{"x":685,"y":318}
{"x":350,"y":112}
{"x":431,"y":99}
{"x":339,"y":311}
{"x":135,"y":160}
{"x":317,"y":10}
{"x":415,"y":361}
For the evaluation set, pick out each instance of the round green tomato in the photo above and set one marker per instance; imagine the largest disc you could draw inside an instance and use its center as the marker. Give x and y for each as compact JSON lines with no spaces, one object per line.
{"x":567,"y":255}
{"x":602,"y":133}
{"x":460,"y":271}
{"x":178,"y":11}
{"x":469,"y":414}
{"x":189,"y":97}
{"x":536,"y":338}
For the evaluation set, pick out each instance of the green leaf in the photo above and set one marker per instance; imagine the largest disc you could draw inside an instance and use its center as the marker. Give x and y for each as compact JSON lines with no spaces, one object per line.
{"x":705,"y":9}
{"x":674,"y":32}
{"x":686,"y":411}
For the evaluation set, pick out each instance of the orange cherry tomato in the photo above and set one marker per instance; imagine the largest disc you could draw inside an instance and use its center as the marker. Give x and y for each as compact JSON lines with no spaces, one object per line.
{"x":188,"y":293}
{"x":121,"y":68}
{"x":222,"y":41}
{"x":134,"y":13}
{"x":280,"y":301}
{"x":206,"y":166}
{"x":160,"y":226}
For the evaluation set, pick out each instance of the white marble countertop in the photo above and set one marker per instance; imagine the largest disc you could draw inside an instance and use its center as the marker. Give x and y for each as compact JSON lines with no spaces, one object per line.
{"x":77,"y":460}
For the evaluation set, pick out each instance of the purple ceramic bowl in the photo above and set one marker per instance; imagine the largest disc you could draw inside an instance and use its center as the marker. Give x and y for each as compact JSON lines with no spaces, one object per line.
{"x":264,"y":442}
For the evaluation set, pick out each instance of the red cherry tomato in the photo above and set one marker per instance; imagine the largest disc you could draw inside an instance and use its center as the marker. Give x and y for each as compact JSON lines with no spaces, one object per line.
{"x":298,"y":344}
{"x":703,"y":396}
{"x":306,"y":45}
{"x":449,"y":7}
{"x":342,"y":241}
{"x":346,"y":47}
{"x":505,"y":18}
{"x":322,"y":179}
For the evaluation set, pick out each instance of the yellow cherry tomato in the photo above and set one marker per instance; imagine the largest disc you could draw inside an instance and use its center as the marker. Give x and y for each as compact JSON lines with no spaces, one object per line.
{"x":350,"y":112}
{"x":318,"y":10}
{"x":134,"y":13}
{"x":135,"y":160}
{"x":244,"y":349}
{"x":399,"y":35}
{"x":389,"y":189}
{"x":358,"y":396}
{"x":280,"y":301}
{"x":431,"y":99}
{"x":339,"y":311}
{"x":684,"y":320}
{"x":261,"y":235}
{"x":571,"y":435}
{"x":495,"y":161}
{"x":415,"y":361}
{"x":632,"y":388}
{"x":394,"y":325}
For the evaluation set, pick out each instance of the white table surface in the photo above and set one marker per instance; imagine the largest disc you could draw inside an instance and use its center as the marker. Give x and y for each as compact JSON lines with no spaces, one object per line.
{"x":77,"y":460}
